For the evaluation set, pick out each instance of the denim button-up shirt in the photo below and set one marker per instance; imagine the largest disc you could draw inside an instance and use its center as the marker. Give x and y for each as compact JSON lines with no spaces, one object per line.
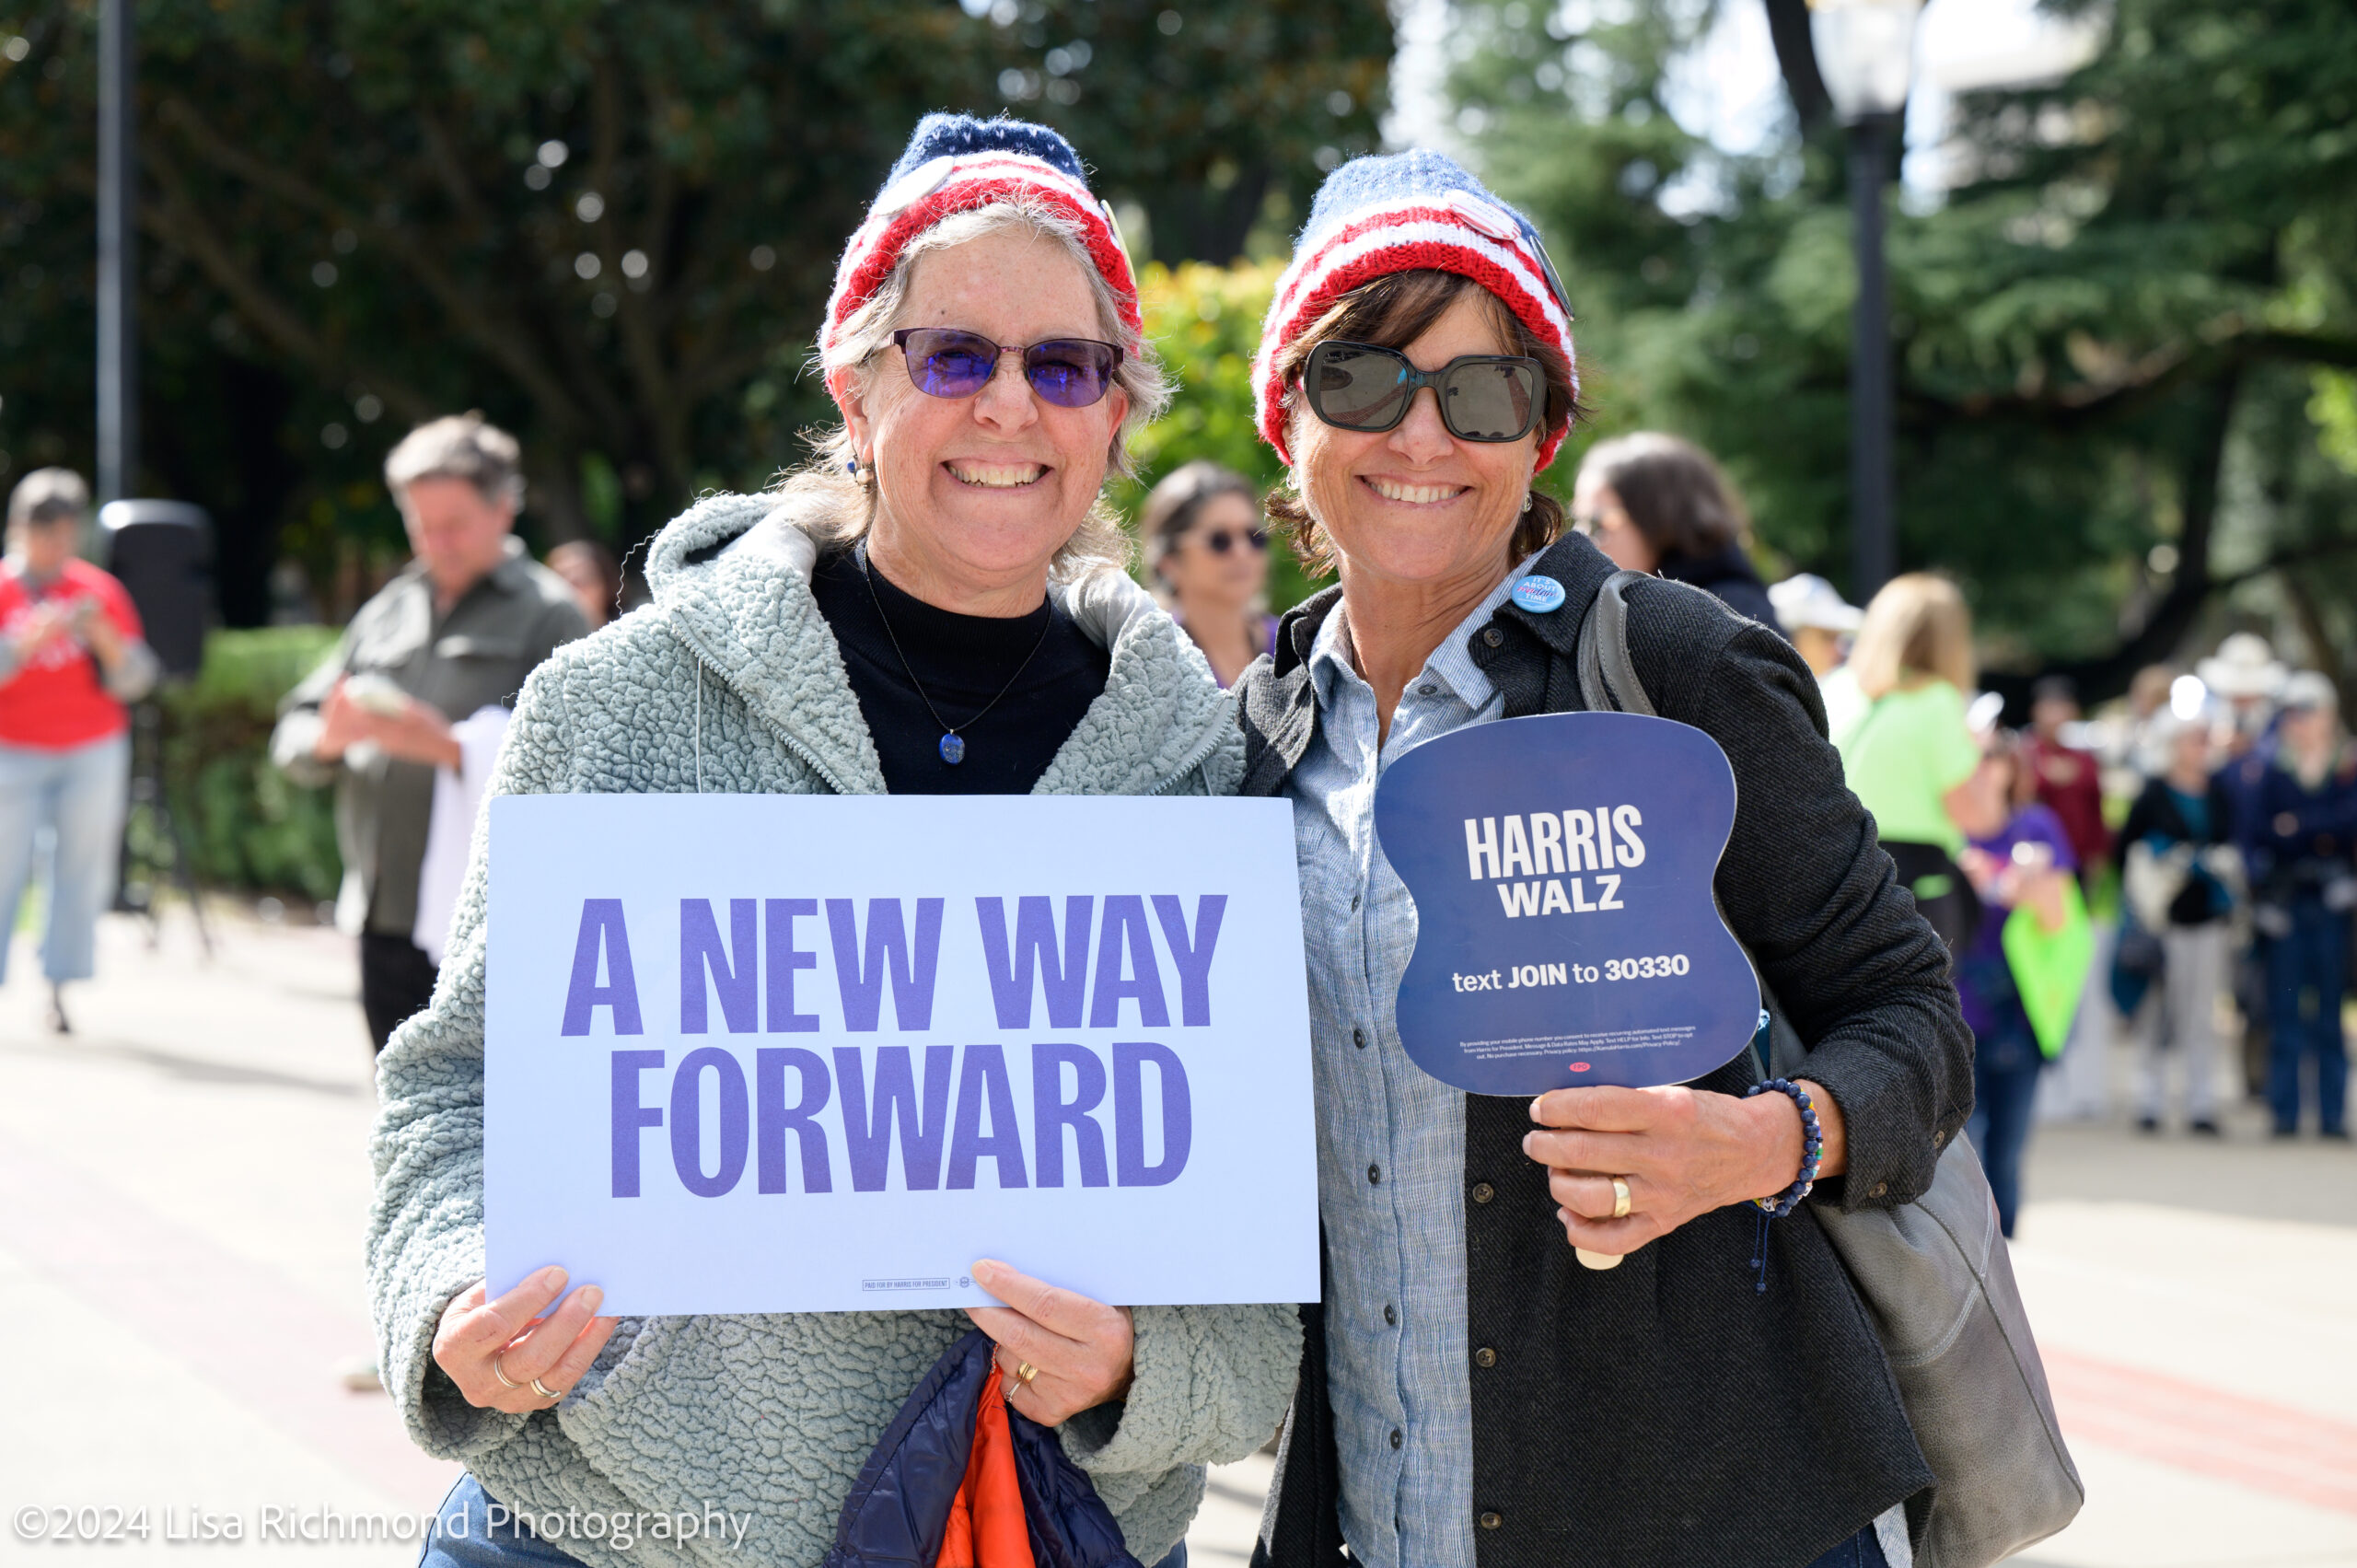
{"x":1390,"y":1137}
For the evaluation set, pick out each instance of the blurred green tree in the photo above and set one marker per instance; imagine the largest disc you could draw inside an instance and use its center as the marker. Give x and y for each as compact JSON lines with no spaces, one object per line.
{"x":2108,"y":332}
{"x":1205,"y":321}
{"x":611,"y":225}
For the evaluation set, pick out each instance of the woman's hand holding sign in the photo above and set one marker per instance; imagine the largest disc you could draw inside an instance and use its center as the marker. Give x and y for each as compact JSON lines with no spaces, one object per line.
{"x":514,"y":1354}
{"x":1678,"y":1152}
{"x":1078,"y":1352}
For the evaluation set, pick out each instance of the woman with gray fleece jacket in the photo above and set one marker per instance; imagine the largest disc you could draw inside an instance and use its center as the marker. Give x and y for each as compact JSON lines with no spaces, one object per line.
{"x":942,"y":577}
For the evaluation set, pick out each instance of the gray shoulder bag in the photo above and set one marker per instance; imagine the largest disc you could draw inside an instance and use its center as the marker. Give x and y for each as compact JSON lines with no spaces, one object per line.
{"x":1935,"y":1277}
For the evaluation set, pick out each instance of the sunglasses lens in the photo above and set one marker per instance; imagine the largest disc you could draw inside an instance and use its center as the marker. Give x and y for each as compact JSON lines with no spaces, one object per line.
{"x":1219,"y":543}
{"x":1357,"y":388}
{"x":1490,"y":400}
{"x":1259,"y":537}
{"x":1071,"y":372}
{"x":947,"y":364}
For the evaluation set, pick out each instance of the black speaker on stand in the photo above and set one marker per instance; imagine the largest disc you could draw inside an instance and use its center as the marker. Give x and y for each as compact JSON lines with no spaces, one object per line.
{"x":162,"y":554}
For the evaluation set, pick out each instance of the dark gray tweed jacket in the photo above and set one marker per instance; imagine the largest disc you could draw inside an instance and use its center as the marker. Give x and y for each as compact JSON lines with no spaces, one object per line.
{"x":1666,"y":1414}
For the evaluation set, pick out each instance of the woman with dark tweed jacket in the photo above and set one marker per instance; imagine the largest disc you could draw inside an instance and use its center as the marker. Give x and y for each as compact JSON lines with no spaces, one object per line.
{"x":1469,"y":1393}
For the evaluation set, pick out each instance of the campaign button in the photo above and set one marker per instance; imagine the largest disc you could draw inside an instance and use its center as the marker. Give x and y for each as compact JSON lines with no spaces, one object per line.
{"x":1483,"y":216}
{"x":1539,"y":595}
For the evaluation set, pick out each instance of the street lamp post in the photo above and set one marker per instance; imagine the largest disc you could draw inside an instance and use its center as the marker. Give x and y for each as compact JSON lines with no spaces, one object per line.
{"x":118,"y":256}
{"x":1865,"y":54}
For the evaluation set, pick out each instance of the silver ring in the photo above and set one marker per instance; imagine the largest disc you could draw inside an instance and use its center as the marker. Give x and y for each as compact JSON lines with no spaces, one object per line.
{"x":544,"y":1391}
{"x":501,"y":1373}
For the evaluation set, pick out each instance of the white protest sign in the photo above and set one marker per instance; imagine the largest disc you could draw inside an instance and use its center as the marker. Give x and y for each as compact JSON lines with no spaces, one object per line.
{"x":814,"y":1054}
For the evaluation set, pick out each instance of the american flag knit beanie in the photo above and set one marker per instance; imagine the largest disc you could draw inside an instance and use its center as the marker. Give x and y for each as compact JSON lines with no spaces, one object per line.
{"x":1408,"y":212}
{"x":954,"y":164}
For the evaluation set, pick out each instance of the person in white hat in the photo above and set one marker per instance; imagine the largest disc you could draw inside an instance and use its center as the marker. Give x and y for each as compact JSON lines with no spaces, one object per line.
{"x":2304,"y":886}
{"x":2246,"y":677}
{"x":2246,"y":674}
{"x":1816,"y":618}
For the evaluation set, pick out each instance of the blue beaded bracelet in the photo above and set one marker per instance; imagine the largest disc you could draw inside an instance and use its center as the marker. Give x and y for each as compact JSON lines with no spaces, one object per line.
{"x":1812,"y":1149}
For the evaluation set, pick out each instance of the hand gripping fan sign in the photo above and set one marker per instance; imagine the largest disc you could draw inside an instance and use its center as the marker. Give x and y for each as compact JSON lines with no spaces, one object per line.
{"x":1566,"y":933}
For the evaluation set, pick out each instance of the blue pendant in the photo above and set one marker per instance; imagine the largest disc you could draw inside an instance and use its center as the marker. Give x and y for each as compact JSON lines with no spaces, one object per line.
{"x":953,"y":750}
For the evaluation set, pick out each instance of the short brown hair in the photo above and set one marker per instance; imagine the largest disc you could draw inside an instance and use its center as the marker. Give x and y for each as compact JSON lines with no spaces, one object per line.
{"x":459,"y":446}
{"x":1393,"y":311}
{"x":1672,"y":490}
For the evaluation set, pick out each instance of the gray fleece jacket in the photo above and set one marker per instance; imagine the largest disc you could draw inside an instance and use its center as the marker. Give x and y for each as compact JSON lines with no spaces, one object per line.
{"x":731,"y":682}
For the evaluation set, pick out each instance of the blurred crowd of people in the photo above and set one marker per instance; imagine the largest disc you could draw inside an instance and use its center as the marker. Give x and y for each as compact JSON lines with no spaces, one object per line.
{"x":2181,"y":869}
{"x":2237,"y":862}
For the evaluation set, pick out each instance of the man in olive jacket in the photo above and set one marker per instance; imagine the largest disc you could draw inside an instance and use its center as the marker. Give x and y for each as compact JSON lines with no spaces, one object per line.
{"x":457,"y":630}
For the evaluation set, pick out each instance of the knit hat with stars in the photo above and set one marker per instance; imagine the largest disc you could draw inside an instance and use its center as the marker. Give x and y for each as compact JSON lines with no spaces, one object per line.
{"x":954,"y":164}
{"x":1409,"y":211}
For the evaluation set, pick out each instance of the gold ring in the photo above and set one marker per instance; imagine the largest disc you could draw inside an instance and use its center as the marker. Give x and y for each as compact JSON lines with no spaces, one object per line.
{"x":501,"y":1373}
{"x":1027,"y":1372}
{"x":1620,"y":1198}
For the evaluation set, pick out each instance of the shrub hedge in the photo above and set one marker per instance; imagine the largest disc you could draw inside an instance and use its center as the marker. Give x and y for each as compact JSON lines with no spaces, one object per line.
{"x":247,"y":826}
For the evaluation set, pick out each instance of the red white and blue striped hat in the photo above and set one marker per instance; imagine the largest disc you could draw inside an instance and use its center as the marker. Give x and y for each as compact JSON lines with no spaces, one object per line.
{"x":1408,"y":212}
{"x":954,"y":164}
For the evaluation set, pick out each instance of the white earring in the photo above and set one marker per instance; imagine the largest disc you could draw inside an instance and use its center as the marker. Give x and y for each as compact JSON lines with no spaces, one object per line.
{"x":1529,"y":499}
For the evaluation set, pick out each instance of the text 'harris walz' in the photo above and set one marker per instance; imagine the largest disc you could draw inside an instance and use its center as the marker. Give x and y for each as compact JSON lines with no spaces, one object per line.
{"x":1551,"y":852}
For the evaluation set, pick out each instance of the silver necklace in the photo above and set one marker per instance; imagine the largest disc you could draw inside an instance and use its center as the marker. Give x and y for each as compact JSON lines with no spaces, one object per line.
{"x":952,"y":745}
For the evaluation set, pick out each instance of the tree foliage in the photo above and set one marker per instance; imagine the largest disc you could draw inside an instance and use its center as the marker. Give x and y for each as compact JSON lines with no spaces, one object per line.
{"x":2109,"y":334}
{"x":1205,"y":321}
{"x":610,"y":224}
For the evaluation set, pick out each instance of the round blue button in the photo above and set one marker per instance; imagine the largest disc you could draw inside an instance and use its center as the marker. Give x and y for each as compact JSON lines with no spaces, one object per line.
{"x":1539,"y":595}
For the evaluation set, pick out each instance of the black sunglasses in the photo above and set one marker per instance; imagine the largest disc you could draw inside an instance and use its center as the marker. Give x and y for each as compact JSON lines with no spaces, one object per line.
{"x":1219,"y":543}
{"x":1482,"y":397}
{"x":946,"y":362}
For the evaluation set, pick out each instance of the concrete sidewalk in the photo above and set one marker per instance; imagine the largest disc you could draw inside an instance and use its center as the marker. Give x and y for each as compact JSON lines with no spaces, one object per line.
{"x":184,"y":1180}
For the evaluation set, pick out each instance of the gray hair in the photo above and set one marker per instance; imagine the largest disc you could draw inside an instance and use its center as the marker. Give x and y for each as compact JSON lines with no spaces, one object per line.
{"x":48,"y":495}
{"x":847,"y":506}
{"x":459,"y":446}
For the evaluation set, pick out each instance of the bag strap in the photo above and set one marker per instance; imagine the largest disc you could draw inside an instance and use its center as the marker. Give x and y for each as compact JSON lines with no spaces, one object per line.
{"x":1608,"y":683}
{"x":1608,"y":676}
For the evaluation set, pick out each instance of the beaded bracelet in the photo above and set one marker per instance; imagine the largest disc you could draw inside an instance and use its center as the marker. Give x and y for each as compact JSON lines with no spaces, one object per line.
{"x":1812,"y":1149}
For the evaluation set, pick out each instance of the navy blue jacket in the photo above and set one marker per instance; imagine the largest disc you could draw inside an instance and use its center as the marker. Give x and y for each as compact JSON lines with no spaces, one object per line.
{"x":897,"y":1512}
{"x":2304,"y":838}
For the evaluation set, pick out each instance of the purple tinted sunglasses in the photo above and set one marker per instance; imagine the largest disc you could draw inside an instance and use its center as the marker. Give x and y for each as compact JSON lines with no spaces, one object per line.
{"x":946,"y":362}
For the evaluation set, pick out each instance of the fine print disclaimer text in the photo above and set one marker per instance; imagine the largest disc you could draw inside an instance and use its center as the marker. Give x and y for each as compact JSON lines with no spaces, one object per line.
{"x":274,"y":1523}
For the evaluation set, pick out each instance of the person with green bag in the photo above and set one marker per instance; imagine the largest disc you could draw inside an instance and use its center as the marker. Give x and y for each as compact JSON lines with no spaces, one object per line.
{"x":2021,"y":975}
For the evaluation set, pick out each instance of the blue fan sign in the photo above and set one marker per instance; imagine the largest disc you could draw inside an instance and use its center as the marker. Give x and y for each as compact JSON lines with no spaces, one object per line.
{"x":1566,"y":932}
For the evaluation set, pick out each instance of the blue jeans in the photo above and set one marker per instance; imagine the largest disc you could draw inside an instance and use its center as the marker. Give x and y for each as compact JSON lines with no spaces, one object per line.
{"x":464,"y":1536}
{"x":2313,"y":956}
{"x":2005,"y":1064}
{"x":79,"y":795}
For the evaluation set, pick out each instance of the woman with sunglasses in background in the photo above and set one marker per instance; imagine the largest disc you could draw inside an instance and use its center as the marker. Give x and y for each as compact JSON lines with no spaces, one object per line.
{"x":936,"y":606}
{"x":1654,"y":503}
{"x":1468,"y":1392}
{"x":1208,"y":546}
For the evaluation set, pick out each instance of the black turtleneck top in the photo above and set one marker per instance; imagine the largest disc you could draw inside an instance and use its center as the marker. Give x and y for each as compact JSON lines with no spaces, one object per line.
{"x":961,"y":662}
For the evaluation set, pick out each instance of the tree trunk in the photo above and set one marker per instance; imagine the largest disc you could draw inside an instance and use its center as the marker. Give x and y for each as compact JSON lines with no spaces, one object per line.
{"x":2156,"y":641}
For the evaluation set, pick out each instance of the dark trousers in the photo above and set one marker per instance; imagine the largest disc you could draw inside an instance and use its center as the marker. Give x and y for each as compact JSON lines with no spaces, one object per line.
{"x":396,"y":982}
{"x":2311,"y":959}
{"x":2005,"y":1064}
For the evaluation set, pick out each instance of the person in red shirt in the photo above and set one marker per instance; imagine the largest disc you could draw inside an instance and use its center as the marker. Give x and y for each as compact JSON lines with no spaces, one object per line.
{"x":2069,"y":781}
{"x":71,"y":656}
